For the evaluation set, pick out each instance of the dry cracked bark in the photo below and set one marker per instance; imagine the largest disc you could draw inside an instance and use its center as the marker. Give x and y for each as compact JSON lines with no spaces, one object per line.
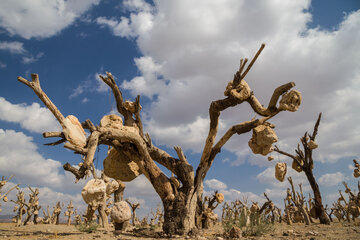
{"x":181,"y":194}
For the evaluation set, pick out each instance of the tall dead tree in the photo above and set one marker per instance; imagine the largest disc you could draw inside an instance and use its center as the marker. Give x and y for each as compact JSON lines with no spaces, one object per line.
{"x":132,"y":149}
{"x":303,"y":161}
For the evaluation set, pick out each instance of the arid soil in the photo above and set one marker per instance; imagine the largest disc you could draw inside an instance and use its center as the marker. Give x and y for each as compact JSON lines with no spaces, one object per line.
{"x":281,"y":231}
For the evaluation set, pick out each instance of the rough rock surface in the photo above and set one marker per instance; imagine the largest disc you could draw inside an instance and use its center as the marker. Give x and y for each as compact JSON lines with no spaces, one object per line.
{"x":120,"y":212}
{"x":119,"y":167}
{"x":94,"y":192}
{"x":280,"y":171}
{"x":312,"y":144}
{"x":262,"y":139}
{"x":291,"y":101}
{"x":219,"y":197}
{"x":111,"y":121}
{"x":73,"y":131}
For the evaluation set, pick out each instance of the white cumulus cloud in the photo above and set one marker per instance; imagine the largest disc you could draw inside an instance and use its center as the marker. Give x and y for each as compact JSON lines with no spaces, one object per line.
{"x":215,"y":184}
{"x":331,"y":179}
{"x":30,"y":117}
{"x":41,"y":18}
{"x":198,"y":46}
{"x":13,"y":47}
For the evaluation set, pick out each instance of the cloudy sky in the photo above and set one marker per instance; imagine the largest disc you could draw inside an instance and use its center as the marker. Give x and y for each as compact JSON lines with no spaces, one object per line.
{"x":180,"y":55}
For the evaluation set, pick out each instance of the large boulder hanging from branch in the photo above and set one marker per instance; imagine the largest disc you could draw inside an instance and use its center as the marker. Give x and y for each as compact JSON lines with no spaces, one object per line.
{"x":111,"y":121}
{"x":262,"y":139}
{"x":73,"y":131}
{"x":280,"y":171}
{"x":94,"y":192}
{"x":120,"y":212}
{"x":120,"y":167}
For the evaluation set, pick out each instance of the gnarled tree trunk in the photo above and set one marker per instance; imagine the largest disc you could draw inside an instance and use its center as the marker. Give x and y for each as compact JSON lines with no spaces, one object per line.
{"x":181,"y":194}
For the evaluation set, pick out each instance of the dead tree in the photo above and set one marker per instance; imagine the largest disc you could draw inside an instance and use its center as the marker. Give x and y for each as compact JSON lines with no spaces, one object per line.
{"x":133,"y":152}
{"x":69,"y":212}
{"x":19,"y":208}
{"x":299,"y":202}
{"x":55,"y":217}
{"x":303,"y":161}
{"x":3,"y":196}
{"x":133,"y":206}
{"x":209,"y":204}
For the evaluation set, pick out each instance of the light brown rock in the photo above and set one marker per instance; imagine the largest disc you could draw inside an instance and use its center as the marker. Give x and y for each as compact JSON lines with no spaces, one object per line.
{"x":111,"y":121}
{"x":312,"y":144}
{"x":219,"y":197}
{"x":280,"y":171}
{"x":291,"y":101}
{"x":119,"y":167}
{"x":94,"y":192}
{"x":120,"y":212}
{"x":262,"y":139}
{"x":73,"y":131}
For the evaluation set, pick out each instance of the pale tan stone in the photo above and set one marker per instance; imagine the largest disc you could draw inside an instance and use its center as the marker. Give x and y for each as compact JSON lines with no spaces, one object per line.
{"x":262,"y":139}
{"x":119,"y":167}
{"x":111,"y":121}
{"x":130,"y":106}
{"x":94,"y":192}
{"x":219,"y":197}
{"x":120,"y":212}
{"x":312,"y":144}
{"x":291,"y":101}
{"x":73,"y":131}
{"x":280,"y":171}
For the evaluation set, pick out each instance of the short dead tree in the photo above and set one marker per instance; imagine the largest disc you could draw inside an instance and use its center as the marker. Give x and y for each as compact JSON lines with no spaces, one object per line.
{"x":299,"y":211}
{"x":209,"y":218}
{"x":77,"y":218}
{"x":55,"y":217}
{"x":303,"y":161}
{"x":33,"y":207}
{"x":69,"y":212}
{"x":133,"y":153}
{"x":19,"y":207}
{"x":133,"y":206}
{"x":3,"y":196}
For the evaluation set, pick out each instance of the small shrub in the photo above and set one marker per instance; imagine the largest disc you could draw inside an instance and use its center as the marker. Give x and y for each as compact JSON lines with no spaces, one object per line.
{"x":258,"y":225}
{"x":89,"y":228}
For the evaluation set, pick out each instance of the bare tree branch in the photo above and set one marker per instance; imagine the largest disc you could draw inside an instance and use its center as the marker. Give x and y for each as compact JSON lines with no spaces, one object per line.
{"x":35,"y":85}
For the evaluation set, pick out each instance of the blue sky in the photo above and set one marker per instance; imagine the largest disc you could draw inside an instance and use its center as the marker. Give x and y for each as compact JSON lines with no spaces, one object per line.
{"x":179,"y":55}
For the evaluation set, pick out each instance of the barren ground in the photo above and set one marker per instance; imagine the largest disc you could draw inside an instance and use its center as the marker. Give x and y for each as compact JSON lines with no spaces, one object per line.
{"x":281,"y":231}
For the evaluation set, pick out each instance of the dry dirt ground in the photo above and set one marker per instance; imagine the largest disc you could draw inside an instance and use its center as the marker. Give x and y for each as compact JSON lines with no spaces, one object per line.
{"x":281,"y":231}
